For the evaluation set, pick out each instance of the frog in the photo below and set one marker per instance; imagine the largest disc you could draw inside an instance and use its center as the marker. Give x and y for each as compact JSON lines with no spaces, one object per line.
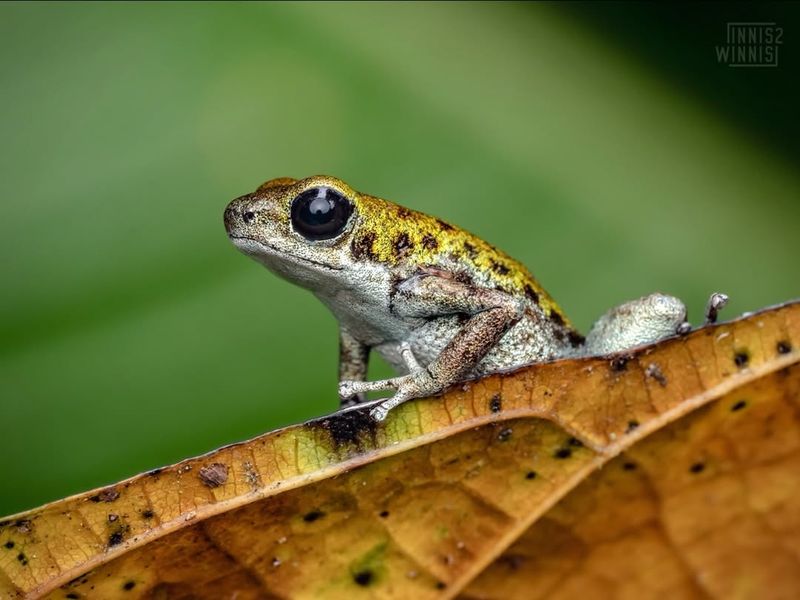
{"x":439,"y":304}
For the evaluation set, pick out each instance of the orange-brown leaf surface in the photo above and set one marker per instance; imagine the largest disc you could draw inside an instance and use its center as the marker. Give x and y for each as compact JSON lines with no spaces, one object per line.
{"x":672,"y":471}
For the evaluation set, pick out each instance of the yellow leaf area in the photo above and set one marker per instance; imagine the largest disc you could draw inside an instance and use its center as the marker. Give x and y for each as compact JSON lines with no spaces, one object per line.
{"x":672,"y":471}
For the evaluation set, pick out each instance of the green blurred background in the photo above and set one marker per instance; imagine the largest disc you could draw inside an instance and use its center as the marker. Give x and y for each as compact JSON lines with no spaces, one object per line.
{"x":604,"y":146}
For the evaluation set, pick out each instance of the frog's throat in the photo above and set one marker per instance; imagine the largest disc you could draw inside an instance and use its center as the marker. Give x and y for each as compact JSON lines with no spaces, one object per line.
{"x":257,"y":249}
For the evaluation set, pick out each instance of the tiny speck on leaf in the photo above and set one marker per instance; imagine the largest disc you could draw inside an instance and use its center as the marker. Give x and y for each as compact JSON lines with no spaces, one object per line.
{"x":129,"y":585}
{"x":530,"y":475}
{"x":697,"y":467}
{"x":629,"y":466}
{"x":496,"y":403}
{"x":620,"y":363}
{"x":741,"y":358}
{"x":383,"y":514}
{"x":784,"y":347}
{"x":563,"y":453}
{"x":9,"y":545}
{"x":739,"y":405}
{"x":631,"y":426}
{"x":504,"y":435}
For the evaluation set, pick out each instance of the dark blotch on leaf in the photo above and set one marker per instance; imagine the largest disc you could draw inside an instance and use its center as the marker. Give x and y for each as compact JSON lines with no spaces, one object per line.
{"x":312,"y":516}
{"x":214,"y":475}
{"x":23,"y":560}
{"x":784,"y":347}
{"x":129,"y":585}
{"x":9,"y":545}
{"x":739,"y":405}
{"x":530,"y":475}
{"x":575,"y":442}
{"x":383,"y":514}
{"x":631,"y":426}
{"x":629,"y":466}
{"x":107,"y":495}
{"x":116,"y":538}
{"x":347,"y":428}
{"x":440,"y":585}
{"x":697,"y":467}
{"x":563,"y":453}
{"x":496,"y":403}
{"x":741,"y":358}
{"x":364,"y":578}
{"x":504,"y":435}
{"x":72,"y":596}
{"x":148,"y":514}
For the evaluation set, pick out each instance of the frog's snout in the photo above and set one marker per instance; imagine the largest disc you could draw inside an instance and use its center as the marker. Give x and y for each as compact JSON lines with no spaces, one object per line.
{"x":238,"y":213}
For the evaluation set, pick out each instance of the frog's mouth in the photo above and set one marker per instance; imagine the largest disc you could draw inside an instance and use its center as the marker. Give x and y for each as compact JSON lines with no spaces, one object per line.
{"x":259,"y":249}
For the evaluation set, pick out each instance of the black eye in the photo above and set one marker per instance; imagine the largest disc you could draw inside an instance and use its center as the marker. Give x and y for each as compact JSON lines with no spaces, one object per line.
{"x":320,"y":213}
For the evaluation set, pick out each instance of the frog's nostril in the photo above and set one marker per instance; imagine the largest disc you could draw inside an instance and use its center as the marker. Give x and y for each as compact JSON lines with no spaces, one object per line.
{"x":248,"y":216}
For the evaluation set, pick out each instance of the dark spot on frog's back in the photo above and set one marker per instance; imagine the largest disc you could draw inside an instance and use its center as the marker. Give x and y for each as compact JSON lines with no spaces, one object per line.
{"x":402,"y":245}
{"x":470,"y":250}
{"x":531,"y":294}
{"x":429,"y":242}
{"x":499,"y":268}
{"x":445,"y":226}
{"x":362,"y":246}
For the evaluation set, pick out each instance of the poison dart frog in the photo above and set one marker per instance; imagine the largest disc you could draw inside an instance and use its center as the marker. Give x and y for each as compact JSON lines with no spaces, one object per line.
{"x":439,"y":304}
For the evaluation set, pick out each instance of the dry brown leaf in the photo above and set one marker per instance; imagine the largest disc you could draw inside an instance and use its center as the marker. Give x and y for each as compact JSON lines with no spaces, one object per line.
{"x":494,"y":491}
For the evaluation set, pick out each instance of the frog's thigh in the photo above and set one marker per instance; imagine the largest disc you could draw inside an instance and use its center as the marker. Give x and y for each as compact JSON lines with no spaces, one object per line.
{"x":431,"y":296}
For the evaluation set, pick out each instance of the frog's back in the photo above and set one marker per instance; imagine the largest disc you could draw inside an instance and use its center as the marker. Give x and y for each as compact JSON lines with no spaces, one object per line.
{"x":395,"y":235}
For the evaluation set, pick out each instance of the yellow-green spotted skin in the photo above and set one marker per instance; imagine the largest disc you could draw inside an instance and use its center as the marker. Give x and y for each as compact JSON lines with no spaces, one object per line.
{"x":438,"y":303}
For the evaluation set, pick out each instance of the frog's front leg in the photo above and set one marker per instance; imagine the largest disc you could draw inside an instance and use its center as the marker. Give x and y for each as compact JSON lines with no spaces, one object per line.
{"x":353,"y":363}
{"x":491,"y":314}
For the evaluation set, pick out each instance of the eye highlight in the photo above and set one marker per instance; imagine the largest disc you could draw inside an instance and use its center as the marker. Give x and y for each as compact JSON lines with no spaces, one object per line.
{"x":320,"y":213}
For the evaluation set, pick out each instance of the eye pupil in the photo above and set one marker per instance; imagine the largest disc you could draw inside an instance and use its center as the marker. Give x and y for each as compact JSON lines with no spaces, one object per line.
{"x":320,"y":213}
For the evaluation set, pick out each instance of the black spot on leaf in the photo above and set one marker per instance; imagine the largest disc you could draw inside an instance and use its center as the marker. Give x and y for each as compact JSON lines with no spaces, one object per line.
{"x":363,"y":578}
{"x":312,"y":516}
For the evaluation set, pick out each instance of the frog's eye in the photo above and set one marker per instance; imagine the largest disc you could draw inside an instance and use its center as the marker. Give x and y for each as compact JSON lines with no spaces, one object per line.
{"x":320,"y":213}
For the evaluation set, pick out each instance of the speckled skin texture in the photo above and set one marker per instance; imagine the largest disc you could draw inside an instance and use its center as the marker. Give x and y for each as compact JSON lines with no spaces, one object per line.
{"x":439,"y":304}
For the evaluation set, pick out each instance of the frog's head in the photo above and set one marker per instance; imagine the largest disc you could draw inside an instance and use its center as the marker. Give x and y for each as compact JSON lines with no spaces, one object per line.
{"x":300,"y":229}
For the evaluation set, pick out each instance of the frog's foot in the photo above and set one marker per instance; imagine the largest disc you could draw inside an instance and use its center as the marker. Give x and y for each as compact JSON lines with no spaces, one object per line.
{"x":416,"y":384}
{"x":636,"y":323}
